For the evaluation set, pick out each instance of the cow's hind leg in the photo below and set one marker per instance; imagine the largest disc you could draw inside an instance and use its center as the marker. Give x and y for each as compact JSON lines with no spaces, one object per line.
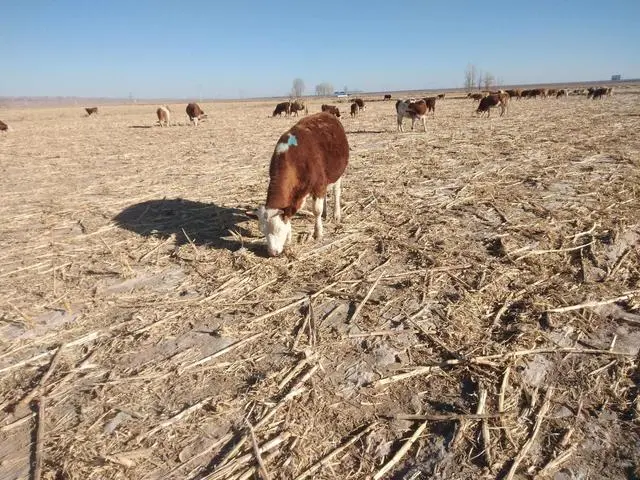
{"x":318,"y":207}
{"x":325,"y":207}
{"x":337,"y":190}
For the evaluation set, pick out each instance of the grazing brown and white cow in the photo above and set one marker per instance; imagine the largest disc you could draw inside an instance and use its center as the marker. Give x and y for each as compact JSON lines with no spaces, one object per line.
{"x":332,"y":109}
{"x":308,"y":158}
{"x":164,"y":115}
{"x":490,"y":101}
{"x":91,"y":110}
{"x":354,"y":109}
{"x":4,"y":127}
{"x":431,"y":104}
{"x":284,"y":107}
{"x":413,"y":110}
{"x":360,"y":104}
{"x":195,"y":113}
{"x":297,"y":106}
{"x":561,"y":93}
{"x":387,"y":96}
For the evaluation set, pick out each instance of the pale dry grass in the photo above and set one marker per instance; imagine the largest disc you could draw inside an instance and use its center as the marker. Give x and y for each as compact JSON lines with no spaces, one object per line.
{"x":128,"y":258}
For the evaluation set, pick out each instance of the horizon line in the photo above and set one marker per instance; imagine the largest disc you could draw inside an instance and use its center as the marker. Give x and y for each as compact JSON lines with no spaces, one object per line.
{"x":271,"y":97}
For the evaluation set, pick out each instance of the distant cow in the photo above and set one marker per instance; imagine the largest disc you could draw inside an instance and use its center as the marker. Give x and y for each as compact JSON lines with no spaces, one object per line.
{"x":552,"y":92}
{"x":440,"y":96}
{"x":284,"y":107}
{"x":164,"y":115}
{"x":387,"y":97}
{"x":431,"y":104}
{"x":534,"y":93}
{"x":490,"y":101}
{"x":360,"y":103}
{"x":3,"y":127}
{"x":514,"y":93}
{"x":354,"y":109}
{"x":296,"y":107}
{"x":195,"y":113}
{"x":475,"y":96}
{"x":332,"y":109}
{"x":561,"y":93}
{"x":413,"y":110}
{"x":91,"y":110}
{"x":598,"y":93}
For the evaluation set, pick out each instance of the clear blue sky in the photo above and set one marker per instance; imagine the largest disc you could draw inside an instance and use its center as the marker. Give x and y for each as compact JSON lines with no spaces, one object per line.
{"x":242,"y":48}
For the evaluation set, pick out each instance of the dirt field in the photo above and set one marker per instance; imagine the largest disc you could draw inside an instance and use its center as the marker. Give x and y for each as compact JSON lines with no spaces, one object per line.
{"x":417,"y":340}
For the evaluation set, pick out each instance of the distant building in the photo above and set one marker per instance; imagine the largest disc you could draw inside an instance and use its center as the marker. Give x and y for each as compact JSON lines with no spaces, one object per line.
{"x":341,"y":94}
{"x":616,"y":78}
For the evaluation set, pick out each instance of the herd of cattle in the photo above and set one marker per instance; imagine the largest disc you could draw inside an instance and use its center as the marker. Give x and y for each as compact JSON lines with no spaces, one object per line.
{"x":415,"y":109}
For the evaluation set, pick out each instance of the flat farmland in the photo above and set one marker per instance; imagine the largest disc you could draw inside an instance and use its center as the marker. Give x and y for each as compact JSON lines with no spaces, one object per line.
{"x":476,"y":312}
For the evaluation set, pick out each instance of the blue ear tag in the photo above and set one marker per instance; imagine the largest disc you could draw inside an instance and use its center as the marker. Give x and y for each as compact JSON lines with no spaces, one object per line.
{"x":292,"y":140}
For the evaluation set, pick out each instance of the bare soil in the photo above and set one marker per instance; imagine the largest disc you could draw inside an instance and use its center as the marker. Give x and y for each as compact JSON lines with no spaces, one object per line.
{"x":143,"y":328}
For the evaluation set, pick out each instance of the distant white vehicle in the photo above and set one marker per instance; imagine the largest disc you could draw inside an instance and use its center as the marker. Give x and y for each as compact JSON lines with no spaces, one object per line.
{"x":341,"y":94}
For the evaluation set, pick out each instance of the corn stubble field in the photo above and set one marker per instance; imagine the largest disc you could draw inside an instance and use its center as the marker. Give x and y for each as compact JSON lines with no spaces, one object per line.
{"x":145,"y":335}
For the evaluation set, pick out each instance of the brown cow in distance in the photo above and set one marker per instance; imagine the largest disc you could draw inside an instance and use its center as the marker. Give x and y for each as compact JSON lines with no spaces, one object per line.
{"x":490,"y":101}
{"x":440,"y":96}
{"x":332,"y":109}
{"x":195,"y":113}
{"x":284,"y":107}
{"x":354,"y":109}
{"x":3,"y":127}
{"x":296,"y":106}
{"x":598,"y":93}
{"x":387,"y":97}
{"x":431,"y":104}
{"x":91,"y":110}
{"x":413,"y":110}
{"x":515,"y":93}
{"x":360,"y":103}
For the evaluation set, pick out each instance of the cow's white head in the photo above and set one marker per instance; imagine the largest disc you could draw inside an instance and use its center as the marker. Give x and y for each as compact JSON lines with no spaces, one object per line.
{"x":274,"y":226}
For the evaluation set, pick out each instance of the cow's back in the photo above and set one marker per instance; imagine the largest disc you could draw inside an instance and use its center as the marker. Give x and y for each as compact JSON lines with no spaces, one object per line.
{"x":322,"y":140}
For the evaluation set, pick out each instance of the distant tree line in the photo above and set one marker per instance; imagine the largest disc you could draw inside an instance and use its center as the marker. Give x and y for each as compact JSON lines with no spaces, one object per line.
{"x":324,"y":89}
{"x":473,"y":77}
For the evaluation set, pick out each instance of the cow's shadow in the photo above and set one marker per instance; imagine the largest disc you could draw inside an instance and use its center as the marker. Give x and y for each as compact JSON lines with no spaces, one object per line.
{"x":205,"y":224}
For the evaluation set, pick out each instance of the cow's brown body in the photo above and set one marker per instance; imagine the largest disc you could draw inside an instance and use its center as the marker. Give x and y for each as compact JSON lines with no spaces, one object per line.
{"x":283,"y":107}
{"x":194,"y":112}
{"x":431,"y":104}
{"x":316,"y":158}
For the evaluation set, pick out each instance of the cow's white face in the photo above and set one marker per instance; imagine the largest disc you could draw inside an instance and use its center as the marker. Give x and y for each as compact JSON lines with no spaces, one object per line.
{"x":275,"y":228}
